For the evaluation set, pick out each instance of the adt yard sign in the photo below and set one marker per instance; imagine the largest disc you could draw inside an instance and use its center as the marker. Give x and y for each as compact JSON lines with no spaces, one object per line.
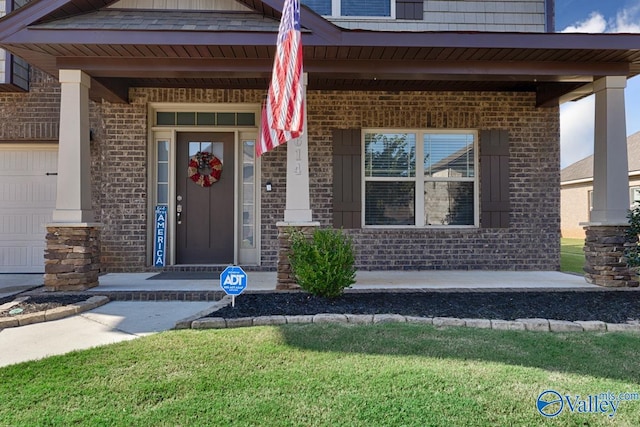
{"x":233,"y":281}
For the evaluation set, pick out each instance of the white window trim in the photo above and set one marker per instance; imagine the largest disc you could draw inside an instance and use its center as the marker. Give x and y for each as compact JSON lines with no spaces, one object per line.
{"x":420,"y":178}
{"x":336,"y":7}
{"x":168,"y":133}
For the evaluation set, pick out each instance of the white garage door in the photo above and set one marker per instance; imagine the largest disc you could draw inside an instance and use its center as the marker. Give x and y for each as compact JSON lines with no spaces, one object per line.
{"x":27,"y":200}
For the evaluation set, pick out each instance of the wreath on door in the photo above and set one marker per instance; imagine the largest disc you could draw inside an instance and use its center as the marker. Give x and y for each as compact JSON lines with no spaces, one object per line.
{"x":201,"y":162}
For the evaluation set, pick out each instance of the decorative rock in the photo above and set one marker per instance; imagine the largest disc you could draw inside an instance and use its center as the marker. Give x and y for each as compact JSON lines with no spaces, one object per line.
{"x":389,"y":318}
{"x":420,"y":320}
{"x":269,"y":320}
{"x":72,"y":257}
{"x":533,"y":324}
{"x":8,"y":322}
{"x":217,"y":305}
{"x":209,"y":323}
{"x":28,"y":319}
{"x":240,"y":322}
{"x":622,"y":327}
{"x":329,"y":318}
{"x":564,"y":326}
{"x":360,"y":319}
{"x":447,"y":321}
{"x":592,"y":325}
{"x":507,"y":325}
{"x":183,"y":324}
{"x":54,"y":313}
{"x":58,"y":313}
{"x":90,"y":304}
{"x":478,"y":323}
{"x":604,"y":257}
{"x":299,"y":319}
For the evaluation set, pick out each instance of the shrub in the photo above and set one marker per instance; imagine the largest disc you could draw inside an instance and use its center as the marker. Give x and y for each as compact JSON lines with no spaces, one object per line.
{"x":323,"y":264}
{"x":632,"y":246}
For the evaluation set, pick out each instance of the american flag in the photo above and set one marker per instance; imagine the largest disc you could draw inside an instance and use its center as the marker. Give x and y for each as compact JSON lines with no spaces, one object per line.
{"x":283,"y":110}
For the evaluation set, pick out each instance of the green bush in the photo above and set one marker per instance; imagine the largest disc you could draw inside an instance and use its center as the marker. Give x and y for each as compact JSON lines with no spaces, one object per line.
{"x":632,"y":246}
{"x":324,"y":264}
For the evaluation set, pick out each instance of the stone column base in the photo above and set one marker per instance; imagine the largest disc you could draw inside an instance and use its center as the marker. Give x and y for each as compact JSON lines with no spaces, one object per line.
{"x":286,"y":280}
{"x":604,"y":257}
{"x":72,"y":257}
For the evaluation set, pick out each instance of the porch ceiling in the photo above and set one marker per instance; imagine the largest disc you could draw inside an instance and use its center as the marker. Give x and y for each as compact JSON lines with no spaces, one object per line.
{"x":214,"y":49}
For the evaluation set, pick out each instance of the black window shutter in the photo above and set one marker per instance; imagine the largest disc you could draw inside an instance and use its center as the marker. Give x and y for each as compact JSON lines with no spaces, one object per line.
{"x":410,"y":9}
{"x":494,"y":179}
{"x":347,"y":190}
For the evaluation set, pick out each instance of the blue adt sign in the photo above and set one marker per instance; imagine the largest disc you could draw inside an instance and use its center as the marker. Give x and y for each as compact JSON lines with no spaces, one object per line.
{"x":233,"y":280}
{"x":160,"y":240}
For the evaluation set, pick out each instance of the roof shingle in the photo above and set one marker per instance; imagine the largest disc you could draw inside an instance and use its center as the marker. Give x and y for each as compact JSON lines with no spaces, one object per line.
{"x":166,"y":20}
{"x":583,"y":169}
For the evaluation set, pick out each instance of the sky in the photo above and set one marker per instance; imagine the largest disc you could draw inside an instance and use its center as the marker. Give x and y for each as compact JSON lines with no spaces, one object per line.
{"x":577,"y":118}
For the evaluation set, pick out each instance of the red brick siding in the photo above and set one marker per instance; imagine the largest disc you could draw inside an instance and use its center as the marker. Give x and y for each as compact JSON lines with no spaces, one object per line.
{"x":532,"y":240}
{"x":31,"y":116}
{"x":119,"y":177}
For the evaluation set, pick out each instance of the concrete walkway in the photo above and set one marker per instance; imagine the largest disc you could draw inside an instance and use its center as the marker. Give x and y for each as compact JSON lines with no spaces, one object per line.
{"x":120,"y":321}
{"x":114,"y":322}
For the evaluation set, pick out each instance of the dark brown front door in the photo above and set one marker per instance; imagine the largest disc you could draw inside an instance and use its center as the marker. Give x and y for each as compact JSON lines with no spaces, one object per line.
{"x":205,"y":227}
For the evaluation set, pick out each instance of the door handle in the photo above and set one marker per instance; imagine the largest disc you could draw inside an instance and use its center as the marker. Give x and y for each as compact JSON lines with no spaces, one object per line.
{"x":179,"y":213}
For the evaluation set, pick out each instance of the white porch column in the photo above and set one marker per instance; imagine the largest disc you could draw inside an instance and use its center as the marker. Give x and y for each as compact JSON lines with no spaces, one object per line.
{"x":72,"y":255}
{"x":298,"y":207}
{"x":73,"y":199}
{"x":610,"y":165}
{"x":605,"y":264}
{"x":297,"y":214}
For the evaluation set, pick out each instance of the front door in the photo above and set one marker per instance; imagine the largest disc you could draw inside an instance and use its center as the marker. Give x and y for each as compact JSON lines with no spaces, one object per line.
{"x":205,"y":223}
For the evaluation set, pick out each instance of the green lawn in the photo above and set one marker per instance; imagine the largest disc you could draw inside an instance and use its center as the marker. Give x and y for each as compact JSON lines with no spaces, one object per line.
{"x":572,"y":255}
{"x":325,"y":375}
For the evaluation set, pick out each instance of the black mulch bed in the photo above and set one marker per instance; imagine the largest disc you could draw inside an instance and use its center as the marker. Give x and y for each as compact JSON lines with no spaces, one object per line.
{"x":606,"y":306}
{"x":37,"y":303}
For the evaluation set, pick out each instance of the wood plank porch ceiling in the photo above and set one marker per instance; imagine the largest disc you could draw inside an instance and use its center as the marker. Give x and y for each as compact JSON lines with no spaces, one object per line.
{"x":122,"y":49}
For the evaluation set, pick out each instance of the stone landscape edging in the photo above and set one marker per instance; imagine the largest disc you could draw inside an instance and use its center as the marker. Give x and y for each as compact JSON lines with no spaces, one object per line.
{"x":532,"y":324}
{"x":54,"y":313}
{"x":198,"y":321}
{"x":201,"y":321}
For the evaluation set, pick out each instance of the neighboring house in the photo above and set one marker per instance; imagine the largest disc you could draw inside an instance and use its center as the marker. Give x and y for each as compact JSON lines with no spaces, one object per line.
{"x":576,"y":193}
{"x":432,"y":131}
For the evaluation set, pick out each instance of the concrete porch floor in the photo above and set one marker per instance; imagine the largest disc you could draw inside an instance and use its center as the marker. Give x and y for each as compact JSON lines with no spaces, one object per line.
{"x":374,"y":280}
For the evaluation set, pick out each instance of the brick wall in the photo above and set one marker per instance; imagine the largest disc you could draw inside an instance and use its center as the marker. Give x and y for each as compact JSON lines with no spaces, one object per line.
{"x":531,"y":242}
{"x":120,"y":133}
{"x":119,"y":177}
{"x":31,"y":116}
{"x":120,"y":182}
